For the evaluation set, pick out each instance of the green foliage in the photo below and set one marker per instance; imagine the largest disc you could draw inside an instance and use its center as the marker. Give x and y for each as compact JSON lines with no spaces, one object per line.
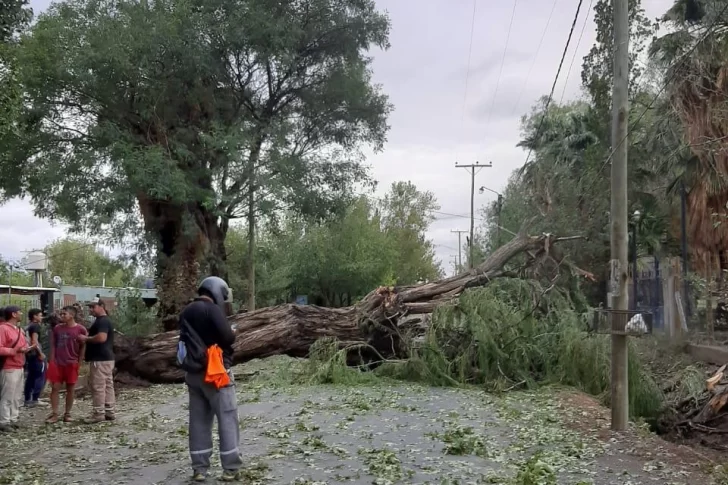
{"x":406,"y":216}
{"x":597,"y":69}
{"x":15,"y":277}
{"x":15,"y":15}
{"x":326,"y":364}
{"x":79,"y":262}
{"x":513,"y":334}
{"x":132,"y":316}
{"x":534,"y":471}
{"x":340,"y":259}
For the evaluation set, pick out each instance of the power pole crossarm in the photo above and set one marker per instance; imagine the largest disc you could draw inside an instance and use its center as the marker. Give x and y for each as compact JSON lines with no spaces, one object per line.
{"x":472,"y":169}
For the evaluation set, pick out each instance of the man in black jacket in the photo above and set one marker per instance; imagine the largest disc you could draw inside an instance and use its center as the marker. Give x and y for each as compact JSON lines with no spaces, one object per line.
{"x":205,"y":320}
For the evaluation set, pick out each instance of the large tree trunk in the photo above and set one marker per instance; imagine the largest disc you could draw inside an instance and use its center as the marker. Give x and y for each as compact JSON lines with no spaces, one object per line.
{"x":181,"y":245}
{"x":384,"y":321}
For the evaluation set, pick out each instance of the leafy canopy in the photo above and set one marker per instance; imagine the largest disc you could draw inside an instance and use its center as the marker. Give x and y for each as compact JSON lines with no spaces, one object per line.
{"x":195,"y":104}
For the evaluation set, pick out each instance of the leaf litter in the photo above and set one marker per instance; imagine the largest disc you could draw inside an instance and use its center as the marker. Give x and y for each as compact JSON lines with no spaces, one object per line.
{"x":381,"y":432}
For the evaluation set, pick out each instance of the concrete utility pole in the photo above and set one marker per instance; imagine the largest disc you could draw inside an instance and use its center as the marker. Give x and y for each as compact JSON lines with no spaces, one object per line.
{"x":499,"y":208}
{"x":472,"y":169}
{"x":619,"y":263}
{"x":460,"y":247}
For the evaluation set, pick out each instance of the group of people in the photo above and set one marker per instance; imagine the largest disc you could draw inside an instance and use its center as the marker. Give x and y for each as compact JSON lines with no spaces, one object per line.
{"x":53,"y":350}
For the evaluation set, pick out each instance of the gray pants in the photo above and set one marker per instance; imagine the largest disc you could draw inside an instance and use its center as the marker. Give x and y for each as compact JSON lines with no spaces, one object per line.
{"x":206,"y":402}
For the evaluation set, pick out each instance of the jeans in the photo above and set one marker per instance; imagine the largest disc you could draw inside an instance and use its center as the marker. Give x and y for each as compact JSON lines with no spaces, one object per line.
{"x":35,"y":379}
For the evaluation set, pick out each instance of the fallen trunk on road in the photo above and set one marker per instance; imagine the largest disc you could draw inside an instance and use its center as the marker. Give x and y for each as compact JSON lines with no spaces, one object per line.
{"x":380,"y":326}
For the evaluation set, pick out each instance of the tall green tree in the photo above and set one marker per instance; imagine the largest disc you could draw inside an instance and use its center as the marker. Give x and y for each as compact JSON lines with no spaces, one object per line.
{"x":15,"y":16}
{"x":191,"y":114}
{"x":79,"y":262}
{"x":344,"y":259}
{"x":406,"y":215}
{"x":598,"y":66}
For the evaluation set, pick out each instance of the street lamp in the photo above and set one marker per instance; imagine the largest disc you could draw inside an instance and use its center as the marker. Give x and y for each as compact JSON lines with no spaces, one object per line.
{"x":635,"y":222}
{"x":499,"y":207}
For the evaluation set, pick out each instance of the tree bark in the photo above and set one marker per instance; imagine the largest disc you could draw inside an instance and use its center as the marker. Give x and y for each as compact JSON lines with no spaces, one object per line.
{"x":187,"y":235}
{"x":382,"y":321}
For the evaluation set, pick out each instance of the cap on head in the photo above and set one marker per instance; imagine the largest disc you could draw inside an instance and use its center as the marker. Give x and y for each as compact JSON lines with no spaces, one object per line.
{"x":96,"y":301}
{"x":217,"y":289}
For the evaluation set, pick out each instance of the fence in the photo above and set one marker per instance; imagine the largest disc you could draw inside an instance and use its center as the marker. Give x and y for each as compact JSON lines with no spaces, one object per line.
{"x":661,"y":291}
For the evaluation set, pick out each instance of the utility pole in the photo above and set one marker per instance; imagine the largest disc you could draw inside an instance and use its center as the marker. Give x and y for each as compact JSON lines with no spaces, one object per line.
{"x":472,"y":169}
{"x":460,"y":247}
{"x":619,"y":263}
{"x":498,"y":208}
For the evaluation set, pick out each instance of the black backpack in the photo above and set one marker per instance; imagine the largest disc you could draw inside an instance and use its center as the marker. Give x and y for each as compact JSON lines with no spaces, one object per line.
{"x":191,"y":350}
{"x":3,"y":358}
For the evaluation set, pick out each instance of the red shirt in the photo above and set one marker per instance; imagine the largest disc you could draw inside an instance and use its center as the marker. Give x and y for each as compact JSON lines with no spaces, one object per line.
{"x":66,"y":347}
{"x":8,"y":337}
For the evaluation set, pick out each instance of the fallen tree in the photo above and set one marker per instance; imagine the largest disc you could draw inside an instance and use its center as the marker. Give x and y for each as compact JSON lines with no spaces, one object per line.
{"x":380,"y":326}
{"x":703,"y":416}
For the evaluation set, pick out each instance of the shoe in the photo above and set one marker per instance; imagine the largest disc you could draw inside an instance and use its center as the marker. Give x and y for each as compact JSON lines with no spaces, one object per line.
{"x":5,"y":428}
{"x":52,"y":419}
{"x":95,"y":419}
{"x":41,"y":404}
{"x":199,"y":477}
{"x":110,"y":417}
{"x":30,"y":404}
{"x":231,"y":476}
{"x":14,"y":426}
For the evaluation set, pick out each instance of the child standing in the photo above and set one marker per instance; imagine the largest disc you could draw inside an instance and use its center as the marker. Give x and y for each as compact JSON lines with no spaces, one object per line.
{"x":35,"y":360}
{"x":65,"y":360}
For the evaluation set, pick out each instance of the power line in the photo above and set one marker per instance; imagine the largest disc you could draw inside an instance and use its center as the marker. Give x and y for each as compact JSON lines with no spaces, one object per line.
{"x":576,"y":50}
{"x":558,"y":71}
{"x":467,"y":70}
{"x":503,"y":61}
{"x":535,"y":56}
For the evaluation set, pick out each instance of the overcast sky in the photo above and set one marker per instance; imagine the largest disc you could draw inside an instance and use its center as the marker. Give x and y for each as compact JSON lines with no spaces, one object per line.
{"x":435,"y":122}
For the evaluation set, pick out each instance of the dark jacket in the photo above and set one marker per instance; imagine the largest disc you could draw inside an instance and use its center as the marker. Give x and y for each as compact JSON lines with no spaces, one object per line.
{"x":210,"y":323}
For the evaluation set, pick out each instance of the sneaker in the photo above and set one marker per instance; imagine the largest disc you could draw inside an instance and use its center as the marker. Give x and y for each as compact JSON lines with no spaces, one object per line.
{"x":199,"y":477}
{"x":231,"y":476}
{"x":110,"y":417}
{"x":30,"y":404}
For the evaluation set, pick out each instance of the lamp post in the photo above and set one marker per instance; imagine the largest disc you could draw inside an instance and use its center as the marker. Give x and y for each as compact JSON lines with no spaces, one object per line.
{"x":635,"y":224}
{"x":499,"y":207}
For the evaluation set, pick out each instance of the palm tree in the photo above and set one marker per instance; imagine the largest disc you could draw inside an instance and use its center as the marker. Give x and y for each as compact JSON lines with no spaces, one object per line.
{"x":695,"y":58}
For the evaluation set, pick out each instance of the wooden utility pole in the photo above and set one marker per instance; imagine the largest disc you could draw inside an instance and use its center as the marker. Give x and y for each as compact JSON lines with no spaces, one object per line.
{"x":460,"y":247}
{"x":472,"y":169}
{"x":619,"y":263}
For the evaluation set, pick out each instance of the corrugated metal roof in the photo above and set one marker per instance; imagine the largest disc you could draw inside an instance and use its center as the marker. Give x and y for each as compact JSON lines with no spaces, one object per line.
{"x":27,"y":288}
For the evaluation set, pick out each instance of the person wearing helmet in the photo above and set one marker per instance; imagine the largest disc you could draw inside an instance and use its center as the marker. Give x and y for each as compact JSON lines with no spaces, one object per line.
{"x":203,"y":323}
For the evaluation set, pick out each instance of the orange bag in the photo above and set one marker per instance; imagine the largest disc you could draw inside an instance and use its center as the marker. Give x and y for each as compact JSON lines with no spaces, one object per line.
{"x":216,"y":373}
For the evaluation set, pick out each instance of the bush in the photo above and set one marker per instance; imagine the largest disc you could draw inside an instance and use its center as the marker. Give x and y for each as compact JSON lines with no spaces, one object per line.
{"x":133,"y":317}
